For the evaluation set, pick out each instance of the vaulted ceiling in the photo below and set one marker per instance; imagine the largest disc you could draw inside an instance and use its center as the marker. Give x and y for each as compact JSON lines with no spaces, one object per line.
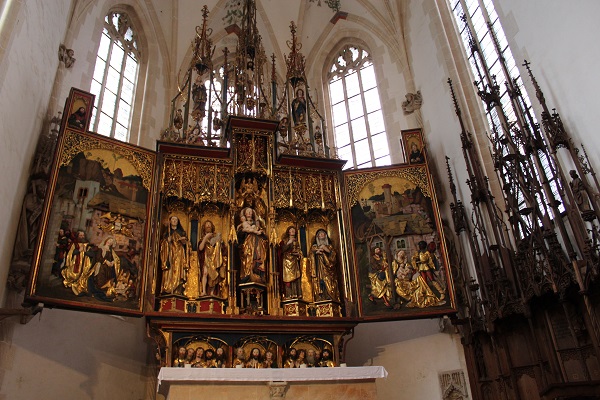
{"x":316,"y":24}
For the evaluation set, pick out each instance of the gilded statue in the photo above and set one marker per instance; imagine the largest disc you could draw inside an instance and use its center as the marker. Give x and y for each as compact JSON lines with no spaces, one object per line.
{"x":212,"y":257}
{"x":270,"y":361}
{"x":209,"y":359}
{"x":290,"y":360}
{"x":249,"y":194}
{"x":220,"y":358}
{"x":253,"y":247}
{"x":179,"y":360}
{"x":325,"y":258}
{"x":240,"y":359}
{"x":290,"y":259}
{"x":326,"y":360}
{"x":311,"y":358}
{"x":254,"y":361}
{"x":173,"y":256}
{"x":199,"y":361}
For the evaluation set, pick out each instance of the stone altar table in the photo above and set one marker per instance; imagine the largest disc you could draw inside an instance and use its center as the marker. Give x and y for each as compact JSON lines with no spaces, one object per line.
{"x":277,"y":383}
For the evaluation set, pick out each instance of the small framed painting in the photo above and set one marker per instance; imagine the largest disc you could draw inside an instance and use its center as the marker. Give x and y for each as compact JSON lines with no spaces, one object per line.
{"x":78,"y":110}
{"x":414,"y":150}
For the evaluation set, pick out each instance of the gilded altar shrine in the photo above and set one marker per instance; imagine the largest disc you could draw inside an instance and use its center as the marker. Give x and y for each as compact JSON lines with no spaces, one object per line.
{"x":239,"y":232}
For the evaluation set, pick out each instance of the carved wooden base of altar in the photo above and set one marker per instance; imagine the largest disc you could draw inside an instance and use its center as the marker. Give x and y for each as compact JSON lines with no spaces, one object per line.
{"x":173,"y":303}
{"x":206,"y":305}
{"x":294,"y":308}
{"x":283,"y":383}
{"x":328,"y":308}
{"x":203,"y":305}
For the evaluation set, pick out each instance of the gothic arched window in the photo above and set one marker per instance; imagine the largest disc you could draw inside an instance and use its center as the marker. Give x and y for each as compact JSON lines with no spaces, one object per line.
{"x":478,"y":23}
{"x":115,"y":77}
{"x":359,"y":130}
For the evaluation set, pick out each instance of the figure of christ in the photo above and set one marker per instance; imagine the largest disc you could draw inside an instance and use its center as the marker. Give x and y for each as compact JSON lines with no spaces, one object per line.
{"x":198,"y":361}
{"x":255,"y":359}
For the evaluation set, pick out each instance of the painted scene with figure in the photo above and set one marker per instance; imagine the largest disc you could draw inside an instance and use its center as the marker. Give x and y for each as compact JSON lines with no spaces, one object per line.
{"x":95,"y":226}
{"x":399,"y":248}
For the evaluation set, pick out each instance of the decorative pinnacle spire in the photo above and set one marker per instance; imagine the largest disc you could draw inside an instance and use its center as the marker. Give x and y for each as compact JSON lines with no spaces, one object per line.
{"x":203,"y":48}
{"x":451,"y":179}
{"x":538,"y":91}
{"x":454,"y":100}
{"x":273,"y":76}
{"x":294,"y":39}
{"x":295,"y":60}
{"x":464,"y":136}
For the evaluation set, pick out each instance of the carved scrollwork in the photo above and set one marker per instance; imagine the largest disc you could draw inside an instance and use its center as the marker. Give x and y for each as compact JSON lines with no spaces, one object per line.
{"x":356,"y":182}
{"x":75,"y":143}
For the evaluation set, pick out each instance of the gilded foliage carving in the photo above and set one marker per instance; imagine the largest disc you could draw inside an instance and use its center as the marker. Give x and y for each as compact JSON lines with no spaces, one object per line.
{"x":329,"y":192}
{"x":251,"y":152}
{"x":298,"y":192}
{"x":188,"y":184}
{"x":307,"y":191}
{"x":282,"y":189}
{"x":313,"y":190}
{"x":196,"y":182}
{"x":171,"y":178}
{"x":356,"y":182}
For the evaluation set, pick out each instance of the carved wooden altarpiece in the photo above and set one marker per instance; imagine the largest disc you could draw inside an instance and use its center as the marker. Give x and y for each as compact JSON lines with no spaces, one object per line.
{"x":238,"y":247}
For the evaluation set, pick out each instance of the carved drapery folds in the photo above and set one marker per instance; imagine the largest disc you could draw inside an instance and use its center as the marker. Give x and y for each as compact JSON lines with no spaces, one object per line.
{"x":237,"y":228}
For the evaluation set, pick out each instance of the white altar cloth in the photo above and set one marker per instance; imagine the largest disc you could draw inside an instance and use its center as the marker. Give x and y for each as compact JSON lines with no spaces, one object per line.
{"x":180,"y":375}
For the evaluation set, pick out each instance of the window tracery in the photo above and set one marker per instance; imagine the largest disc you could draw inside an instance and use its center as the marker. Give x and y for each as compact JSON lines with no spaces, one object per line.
{"x":359,"y":128}
{"x":115,"y":76}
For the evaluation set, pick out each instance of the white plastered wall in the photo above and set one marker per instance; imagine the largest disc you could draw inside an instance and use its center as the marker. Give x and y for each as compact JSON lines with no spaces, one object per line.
{"x":560,"y":40}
